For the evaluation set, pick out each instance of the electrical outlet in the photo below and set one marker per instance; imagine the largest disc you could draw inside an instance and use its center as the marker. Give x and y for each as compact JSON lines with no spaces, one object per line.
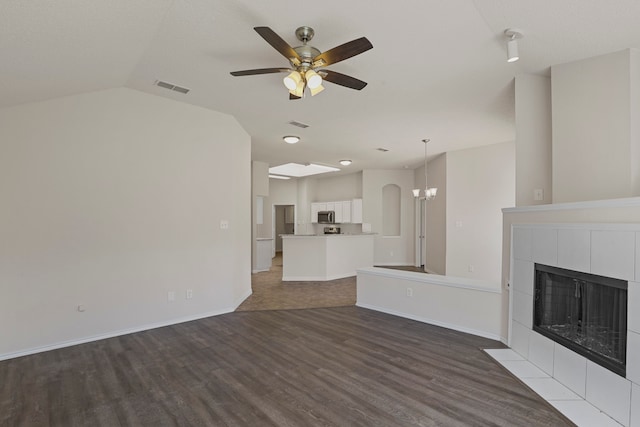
{"x":189,"y":294}
{"x":409,"y":292}
{"x":471,"y":268}
{"x":224,"y":224}
{"x":171,"y":296}
{"x":538,"y":194}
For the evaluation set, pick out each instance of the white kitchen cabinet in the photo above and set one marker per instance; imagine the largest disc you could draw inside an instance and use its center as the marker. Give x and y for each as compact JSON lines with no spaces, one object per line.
{"x":315,"y":208}
{"x":263,"y":257}
{"x":259,"y":210}
{"x":346,"y":212}
{"x":337,"y":208}
{"x":356,"y":211}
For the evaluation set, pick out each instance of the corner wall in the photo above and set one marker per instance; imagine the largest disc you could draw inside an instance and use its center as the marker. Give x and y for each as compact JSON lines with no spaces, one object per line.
{"x":112,"y":200}
{"x":533,"y":139}
{"x":595,"y":153}
{"x":480,"y":182}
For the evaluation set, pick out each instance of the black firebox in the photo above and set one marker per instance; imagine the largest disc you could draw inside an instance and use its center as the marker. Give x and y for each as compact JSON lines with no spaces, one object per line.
{"x":584,"y":312}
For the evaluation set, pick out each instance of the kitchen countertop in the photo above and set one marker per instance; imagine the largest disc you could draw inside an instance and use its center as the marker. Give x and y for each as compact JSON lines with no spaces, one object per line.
{"x":328,"y":235}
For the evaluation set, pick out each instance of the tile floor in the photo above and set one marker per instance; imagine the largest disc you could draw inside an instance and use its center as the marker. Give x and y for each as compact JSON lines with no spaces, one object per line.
{"x":566,"y":401}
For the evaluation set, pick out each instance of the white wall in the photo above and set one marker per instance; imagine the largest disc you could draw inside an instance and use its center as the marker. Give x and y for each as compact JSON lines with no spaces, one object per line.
{"x":282,"y":192}
{"x":594,"y":154}
{"x":110,"y":200}
{"x":533,"y":139}
{"x":480,"y":182}
{"x":465,"y":305}
{"x":389,"y":250}
{"x":341,"y":187}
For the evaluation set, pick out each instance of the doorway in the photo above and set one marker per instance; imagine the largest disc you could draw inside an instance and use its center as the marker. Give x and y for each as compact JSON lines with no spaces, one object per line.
{"x":284,"y":222}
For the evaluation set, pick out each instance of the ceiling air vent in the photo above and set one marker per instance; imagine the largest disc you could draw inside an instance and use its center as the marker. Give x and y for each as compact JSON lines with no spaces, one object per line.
{"x":171,"y":86}
{"x":298,"y":124}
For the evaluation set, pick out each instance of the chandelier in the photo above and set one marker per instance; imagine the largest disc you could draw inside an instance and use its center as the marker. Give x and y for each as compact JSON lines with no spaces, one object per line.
{"x":429,"y":193}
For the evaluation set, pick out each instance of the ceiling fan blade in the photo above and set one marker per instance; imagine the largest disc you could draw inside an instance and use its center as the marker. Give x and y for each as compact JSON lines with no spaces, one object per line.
{"x":344,"y":51}
{"x":342,"y":79}
{"x":277,"y":42}
{"x":259,"y":71}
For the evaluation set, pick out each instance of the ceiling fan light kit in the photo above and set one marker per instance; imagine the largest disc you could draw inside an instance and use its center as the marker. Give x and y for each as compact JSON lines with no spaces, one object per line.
{"x":307,"y":63}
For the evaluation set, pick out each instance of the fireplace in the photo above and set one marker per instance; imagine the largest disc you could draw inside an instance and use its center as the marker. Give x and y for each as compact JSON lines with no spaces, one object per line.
{"x":583,"y":312}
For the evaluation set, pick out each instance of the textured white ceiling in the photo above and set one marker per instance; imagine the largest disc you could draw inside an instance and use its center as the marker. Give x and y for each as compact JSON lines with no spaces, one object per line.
{"x":437,"y":69}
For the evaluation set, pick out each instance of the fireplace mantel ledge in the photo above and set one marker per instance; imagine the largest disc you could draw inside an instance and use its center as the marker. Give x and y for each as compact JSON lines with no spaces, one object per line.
{"x":592,"y":204}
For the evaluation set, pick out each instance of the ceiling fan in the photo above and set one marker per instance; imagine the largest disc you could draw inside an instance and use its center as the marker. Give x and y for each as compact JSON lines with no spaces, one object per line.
{"x":307,"y":62}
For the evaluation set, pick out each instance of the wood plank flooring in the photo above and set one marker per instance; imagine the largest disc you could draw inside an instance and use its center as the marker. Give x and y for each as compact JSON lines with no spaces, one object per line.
{"x":340,"y":366}
{"x":271,"y":293}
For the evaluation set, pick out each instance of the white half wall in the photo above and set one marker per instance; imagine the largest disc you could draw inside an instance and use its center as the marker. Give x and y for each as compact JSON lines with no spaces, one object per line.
{"x":111,"y":200}
{"x":465,"y":305}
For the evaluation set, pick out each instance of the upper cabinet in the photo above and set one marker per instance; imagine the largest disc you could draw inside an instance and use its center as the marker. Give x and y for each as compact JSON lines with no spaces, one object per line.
{"x":349,"y":211}
{"x":259,"y":210}
{"x":356,"y":211}
{"x":315,"y":208}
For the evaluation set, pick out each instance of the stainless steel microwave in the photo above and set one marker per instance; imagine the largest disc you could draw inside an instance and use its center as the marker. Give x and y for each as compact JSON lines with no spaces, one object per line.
{"x":326,"y":217}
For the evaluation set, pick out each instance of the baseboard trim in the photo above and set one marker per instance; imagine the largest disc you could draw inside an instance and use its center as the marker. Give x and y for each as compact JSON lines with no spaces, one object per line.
{"x":113,"y":334}
{"x":242,"y":298}
{"x":432,"y":322}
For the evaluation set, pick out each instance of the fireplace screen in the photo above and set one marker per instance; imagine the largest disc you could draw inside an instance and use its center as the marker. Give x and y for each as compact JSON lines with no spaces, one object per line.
{"x":584,"y":312}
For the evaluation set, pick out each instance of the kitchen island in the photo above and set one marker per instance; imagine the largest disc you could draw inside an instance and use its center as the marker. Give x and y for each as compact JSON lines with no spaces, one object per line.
{"x":325,"y":256}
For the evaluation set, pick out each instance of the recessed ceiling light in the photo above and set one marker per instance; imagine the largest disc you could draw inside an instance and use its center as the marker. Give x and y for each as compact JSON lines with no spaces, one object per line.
{"x":291,"y":139}
{"x":279,"y":177}
{"x":345,"y":162}
{"x":298,"y":170}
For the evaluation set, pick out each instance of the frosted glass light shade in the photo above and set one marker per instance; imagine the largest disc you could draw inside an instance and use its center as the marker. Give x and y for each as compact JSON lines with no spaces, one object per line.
{"x":313,"y":79}
{"x":292,"y":80}
{"x":316,"y":90}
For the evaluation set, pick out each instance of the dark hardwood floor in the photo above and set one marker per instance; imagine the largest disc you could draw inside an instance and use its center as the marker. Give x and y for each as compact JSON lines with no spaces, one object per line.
{"x":341,"y":366}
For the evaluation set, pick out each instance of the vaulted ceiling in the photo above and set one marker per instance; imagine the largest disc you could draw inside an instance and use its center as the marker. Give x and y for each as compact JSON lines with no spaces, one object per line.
{"x":437,"y":70}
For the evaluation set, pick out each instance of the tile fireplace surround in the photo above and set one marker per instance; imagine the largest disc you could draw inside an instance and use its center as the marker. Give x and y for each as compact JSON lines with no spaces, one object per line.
{"x":611,"y":250}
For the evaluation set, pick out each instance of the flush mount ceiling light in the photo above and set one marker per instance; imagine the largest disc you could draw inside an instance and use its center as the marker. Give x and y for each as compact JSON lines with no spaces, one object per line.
{"x":291,"y":139}
{"x":429,"y":193}
{"x":298,"y":170}
{"x":513,"y":34}
{"x":345,"y":162}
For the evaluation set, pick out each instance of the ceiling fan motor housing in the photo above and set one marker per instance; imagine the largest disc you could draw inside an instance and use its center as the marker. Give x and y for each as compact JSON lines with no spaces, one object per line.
{"x":304,"y":34}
